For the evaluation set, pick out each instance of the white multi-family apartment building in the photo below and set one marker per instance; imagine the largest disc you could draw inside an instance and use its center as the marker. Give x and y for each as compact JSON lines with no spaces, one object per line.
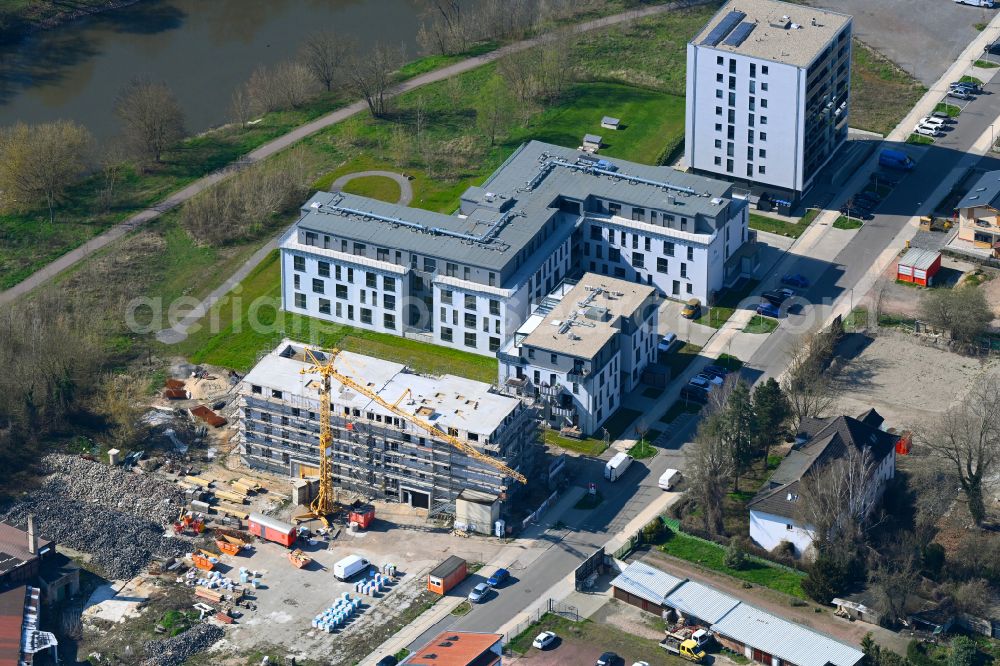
{"x":768,"y":94}
{"x":469,"y":280}
{"x":583,"y":347}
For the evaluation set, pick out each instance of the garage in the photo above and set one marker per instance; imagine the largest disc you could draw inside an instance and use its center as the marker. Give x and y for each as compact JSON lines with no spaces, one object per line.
{"x":644,"y":587}
{"x":918,"y":266}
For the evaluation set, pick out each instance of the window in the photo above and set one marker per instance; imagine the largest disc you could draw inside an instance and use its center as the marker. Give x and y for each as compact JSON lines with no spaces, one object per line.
{"x":753,"y":104}
{"x":382,"y":254}
{"x":763,"y":103}
{"x":763,"y":70}
{"x":553,"y":358}
{"x":468,"y":273}
{"x":366,"y":316}
{"x":763,"y":136}
{"x":299,"y":263}
{"x":388,"y":283}
{"x":470,"y":340}
{"x":749,"y":152}
{"x":350,"y":312}
{"x":350,"y":275}
{"x":763,"y":87}
{"x":763,"y":120}
{"x":753,"y":69}
{"x":718,"y":110}
{"x":389,"y":302}
{"x":684,"y":270}
{"x":371,"y":280}
{"x":446,"y":296}
{"x":749,"y":136}
{"x":762,"y":152}
{"x":444,"y":315}
{"x":718,"y":143}
{"x":494,"y":306}
{"x":718,"y":93}
{"x":360,"y":248}
{"x":719,"y":60}
{"x":470,"y":320}
{"x":788,"y":526}
{"x":595,"y":233}
{"x":614,"y":254}
{"x":719,"y":77}
{"x":732,"y":83}
{"x":732,"y":99}
{"x":614,"y":208}
{"x":718,"y":127}
{"x":323,"y":267}
{"x":389,"y":321}
{"x":493,"y":279}
{"x":690,"y":289}
{"x":731,"y":133}
{"x":761,"y":169}
{"x":450,"y":269}
{"x":638,"y":260}
{"x":317,"y":286}
{"x":446,"y":334}
{"x":635,"y":241}
{"x":732,"y":66}
{"x":732,"y":116}
{"x":690,"y":254}
{"x":662,"y":265}
{"x":341,"y":291}
{"x":718,"y":161}
{"x":750,"y":120}
{"x":324,"y":306}
{"x":297,"y":281}
{"x":668,"y":248}
{"x":638,"y":214}
{"x":300,"y":301}
{"x":730,"y":149}
{"x":494,"y":345}
{"x":648,"y":244}
{"x":749,"y":170}
{"x":470,"y":302}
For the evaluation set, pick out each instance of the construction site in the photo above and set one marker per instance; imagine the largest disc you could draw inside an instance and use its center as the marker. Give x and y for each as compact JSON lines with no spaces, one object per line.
{"x":223,"y":539}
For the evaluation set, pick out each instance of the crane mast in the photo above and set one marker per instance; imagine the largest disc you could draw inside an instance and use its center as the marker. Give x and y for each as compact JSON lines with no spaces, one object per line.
{"x":325,"y":503}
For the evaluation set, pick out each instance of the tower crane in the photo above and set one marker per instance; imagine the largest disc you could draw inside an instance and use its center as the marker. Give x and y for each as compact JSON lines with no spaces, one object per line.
{"x":327,"y":371}
{"x":325,"y":503}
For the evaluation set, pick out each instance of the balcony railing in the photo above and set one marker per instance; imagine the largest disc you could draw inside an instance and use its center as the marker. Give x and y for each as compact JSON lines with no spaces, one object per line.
{"x":553,"y":390}
{"x":564,"y":412}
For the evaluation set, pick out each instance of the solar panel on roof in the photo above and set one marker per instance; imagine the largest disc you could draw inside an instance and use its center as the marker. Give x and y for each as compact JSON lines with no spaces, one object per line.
{"x":725,"y":26}
{"x":742,"y":31}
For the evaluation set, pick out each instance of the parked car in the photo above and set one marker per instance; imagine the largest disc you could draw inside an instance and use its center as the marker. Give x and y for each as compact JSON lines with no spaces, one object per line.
{"x":608,"y":659}
{"x":774,"y":296}
{"x":965,"y":85}
{"x":498,"y":578}
{"x":936,"y":121}
{"x":387,"y":661}
{"x":479,"y":593}
{"x":959,"y":93}
{"x":544,"y":640}
{"x":795,"y":280}
{"x":926,"y":131}
{"x":713,"y":379}
{"x":716,"y":370}
{"x":703,"y":383}
{"x":692,"y":309}
{"x":786,"y":291}
{"x":691,"y":393}
{"x":769,"y":310}
{"x":666,"y":342}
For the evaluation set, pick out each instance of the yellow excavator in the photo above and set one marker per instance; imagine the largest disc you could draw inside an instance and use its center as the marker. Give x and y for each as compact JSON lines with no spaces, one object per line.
{"x":325,"y":502}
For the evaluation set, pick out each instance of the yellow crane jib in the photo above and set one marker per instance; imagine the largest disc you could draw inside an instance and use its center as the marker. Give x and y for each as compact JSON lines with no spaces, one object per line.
{"x":462,"y":446}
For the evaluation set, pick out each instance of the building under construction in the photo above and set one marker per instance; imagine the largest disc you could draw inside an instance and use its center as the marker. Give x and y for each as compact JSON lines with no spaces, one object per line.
{"x":384,"y":451}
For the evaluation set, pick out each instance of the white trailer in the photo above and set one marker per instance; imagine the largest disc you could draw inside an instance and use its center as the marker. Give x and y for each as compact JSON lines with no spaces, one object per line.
{"x":615,"y":467}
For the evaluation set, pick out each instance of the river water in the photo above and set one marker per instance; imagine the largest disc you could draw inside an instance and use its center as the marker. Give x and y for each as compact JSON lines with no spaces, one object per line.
{"x":202,"y":49}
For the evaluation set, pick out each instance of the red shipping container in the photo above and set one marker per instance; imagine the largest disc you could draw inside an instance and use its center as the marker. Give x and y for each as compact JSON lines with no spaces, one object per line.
{"x":272,"y":530}
{"x":362,"y":515}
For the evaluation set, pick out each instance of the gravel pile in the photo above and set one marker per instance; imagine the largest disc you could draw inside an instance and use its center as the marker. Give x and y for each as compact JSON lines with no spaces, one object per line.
{"x":117,"y":516}
{"x":175,"y":651}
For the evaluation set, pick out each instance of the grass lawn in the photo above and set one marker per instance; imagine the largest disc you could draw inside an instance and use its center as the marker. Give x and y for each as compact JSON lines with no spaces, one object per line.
{"x":680,"y":359}
{"x":729,"y":362}
{"x":650,"y":121}
{"x":376,"y":187}
{"x":588,"y":446}
{"x":678,"y":408}
{"x":780,"y":227}
{"x":986,"y":64}
{"x":252,"y":323}
{"x":711,"y":556}
{"x":971,"y":79}
{"x":844,"y":222}
{"x":919,"y":139}
{"x":953,"y":110}
{"x":642,"y":449}
{"x":760,"y":324}
{"x":588,"y":501}
{"x":621,"y":420}
{"x":881,"y":92}
{"x":718,"y":314}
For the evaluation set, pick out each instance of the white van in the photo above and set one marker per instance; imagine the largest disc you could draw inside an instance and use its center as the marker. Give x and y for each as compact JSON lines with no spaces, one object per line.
{"x":669,"y":479}
{"x":615,"y":467}
{"x":349,"y":567}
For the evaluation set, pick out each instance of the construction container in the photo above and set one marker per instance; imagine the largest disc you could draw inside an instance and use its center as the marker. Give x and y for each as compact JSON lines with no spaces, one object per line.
{"x":918,"y":266}
{"x":362,"y":515}
{"x":447,"y":575}
{"x":272,"y":529}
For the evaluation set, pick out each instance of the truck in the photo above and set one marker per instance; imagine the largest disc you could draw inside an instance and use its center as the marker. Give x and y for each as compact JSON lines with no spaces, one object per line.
{"x":686,"y":649}
{"x":895,"y":159}
{"x":615,"y":467}
{"x":349,"y":567}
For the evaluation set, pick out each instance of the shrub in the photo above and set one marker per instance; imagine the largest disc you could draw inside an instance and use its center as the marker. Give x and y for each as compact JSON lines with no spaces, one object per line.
{"x":736,"y":557}
{"x":826,"y":579}
{"x":656,"y":532}
{"x":933,"y":557}
{"x":963,"y":652}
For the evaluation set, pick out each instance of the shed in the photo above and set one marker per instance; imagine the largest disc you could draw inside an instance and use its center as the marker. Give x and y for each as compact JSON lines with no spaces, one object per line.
{"x":272,"y":529}
{"x":764,"y":637}
{"x":918,"y":266}
{"x":645,"y":587}
{"x":477,"y":511}
{"x":591,"y":143}
{"x":607,"y":122}
{"x":700,"y":604}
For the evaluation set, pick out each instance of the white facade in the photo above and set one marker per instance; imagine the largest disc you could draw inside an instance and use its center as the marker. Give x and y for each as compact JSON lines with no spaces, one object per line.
{"x":769,"y":531}
{"x":772,"y":109}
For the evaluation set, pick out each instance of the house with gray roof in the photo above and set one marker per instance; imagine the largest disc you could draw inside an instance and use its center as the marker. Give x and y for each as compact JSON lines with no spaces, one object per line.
{"x":979,"y":215}
{"x":775,"y":513}
{"x":470,"y":279}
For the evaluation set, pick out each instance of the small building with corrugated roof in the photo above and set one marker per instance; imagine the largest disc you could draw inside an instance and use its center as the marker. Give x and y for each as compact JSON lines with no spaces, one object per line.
{"x":645,"y":587}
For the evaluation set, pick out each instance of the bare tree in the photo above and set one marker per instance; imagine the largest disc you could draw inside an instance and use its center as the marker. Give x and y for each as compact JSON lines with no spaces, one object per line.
{"x":806,"y":383}
{"x":41,"y":162}
{"x":494,"y":109}
{"x":121,"y":400}
{"x":113,"y":162}
{"x":371,"y":75}
{"x":709,"y":469}
{"x":445,"y":29}
{"x":240,"y":106}
{"x":878,"y":294}
{"x":325,"y":55}
{"x":964,"y":311}
{"x":151,"y":118}
{"x":890,"y":579}
{"x":967,"y":437}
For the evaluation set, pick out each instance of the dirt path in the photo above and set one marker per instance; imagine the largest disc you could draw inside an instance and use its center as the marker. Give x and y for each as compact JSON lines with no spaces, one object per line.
{"x":43,"y":275}
{"x":778,"y":604}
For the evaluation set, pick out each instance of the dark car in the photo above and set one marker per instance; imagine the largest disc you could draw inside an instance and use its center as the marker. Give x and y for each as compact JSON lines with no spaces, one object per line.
{"x":769,"y":310}
{"x":795,"y":280}
{"x":498,"y":578}
{"x":715,"y":370}
{"x":387,"y":661}
{"x":690,"y":393}
{"x":775,"y":297}
{"x":608,"y":659}
{"x":870,"y":197}
{"x":883,"y":179}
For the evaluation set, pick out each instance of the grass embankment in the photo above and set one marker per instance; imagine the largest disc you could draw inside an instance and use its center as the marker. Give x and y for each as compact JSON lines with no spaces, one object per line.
{"x":919,"y":139}
{"x":712,"y":556}
{"x":986,"y":64}
{"x":252,"y":321}
{"x":953,"y":110}
{"x":760,"y":324}
{"x":717,"y":315}
{"x":781,"y":227}
{"x":375,"y":187}
{"x":882,"y":93}
{"x":844,"y":222}
{"x":594,"y":446}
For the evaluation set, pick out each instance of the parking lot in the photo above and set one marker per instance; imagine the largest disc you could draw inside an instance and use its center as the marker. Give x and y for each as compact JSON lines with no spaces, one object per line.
{"x":924,"y":37}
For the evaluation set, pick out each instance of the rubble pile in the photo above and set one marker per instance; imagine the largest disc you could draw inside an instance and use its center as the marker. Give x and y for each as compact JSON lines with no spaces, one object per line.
{"x":175,"y":651}
{"x":116,"y":516}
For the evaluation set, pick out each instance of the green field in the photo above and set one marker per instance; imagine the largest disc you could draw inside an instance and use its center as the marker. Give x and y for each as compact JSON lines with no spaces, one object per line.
{"x":781,"y":227}
{"x":712,"y":555}
{"x":881,"y":92}
{"x":375,"y":187}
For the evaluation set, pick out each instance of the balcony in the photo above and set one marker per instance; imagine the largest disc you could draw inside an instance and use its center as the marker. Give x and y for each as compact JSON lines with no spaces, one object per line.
{"x":510,"y":359}
{"x":551,"y":391}
{"x":577,"y":377}
{"x":564,"y":412}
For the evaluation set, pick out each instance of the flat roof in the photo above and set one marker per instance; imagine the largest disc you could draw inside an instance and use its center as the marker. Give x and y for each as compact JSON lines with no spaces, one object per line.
{"x":445,"y":400}
{"x":783,"y":639}
{"x":571,"y":327}
{"x":772,"y":30}
{"x":701,"y":601}
{"x":513,"y":206}
{"x":646,"y":582}
{"x":457,"y":648}
{"x":11,"y":625}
